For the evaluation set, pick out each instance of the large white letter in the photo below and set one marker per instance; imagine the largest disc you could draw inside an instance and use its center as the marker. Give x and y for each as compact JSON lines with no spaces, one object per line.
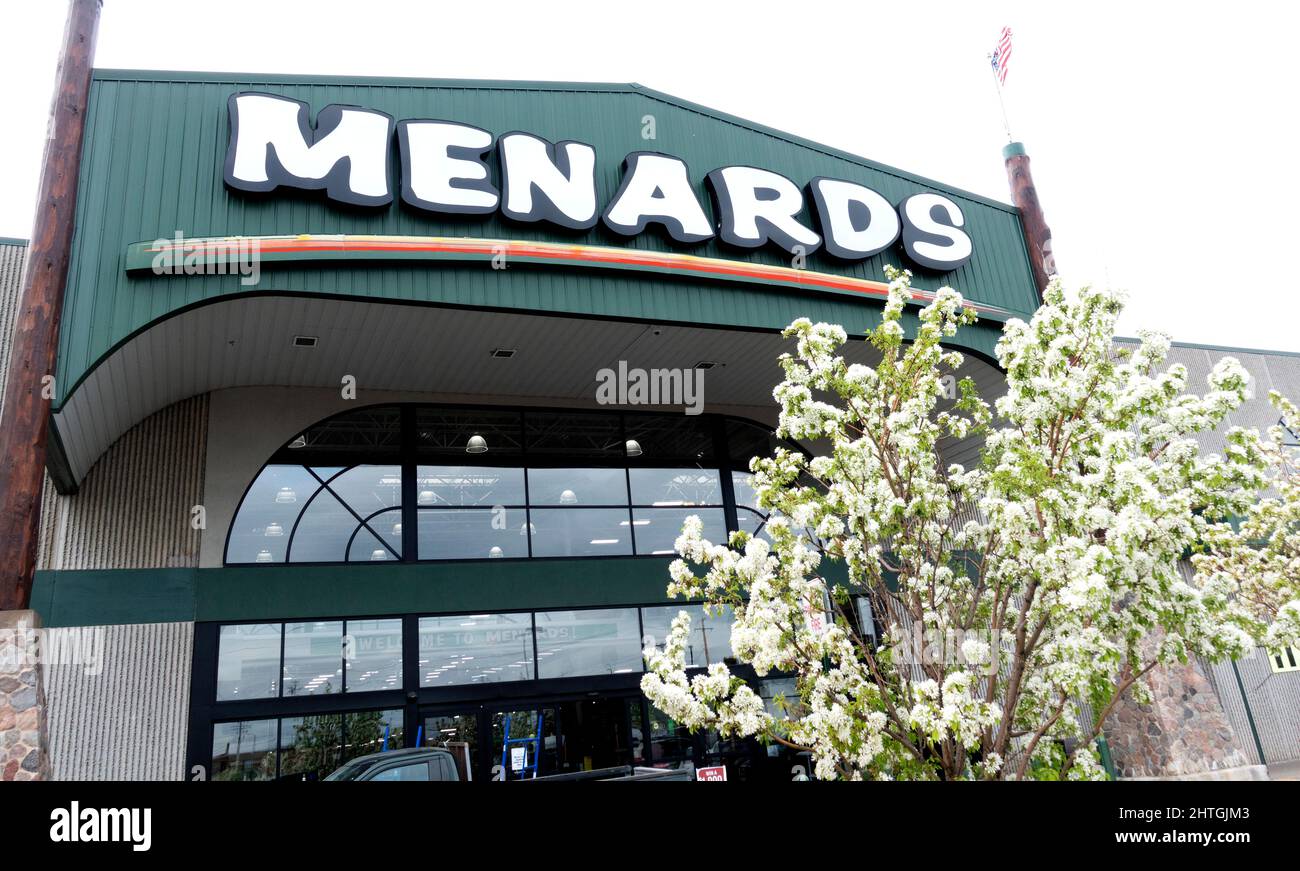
{"x":931,"y":232}
{"x":856,"y":222}
{"x":273,"y":145}
{"x":756,"y":206}
{"x":545,"y":182}
{"x":656,"y":189}
{"x":444,"y":167}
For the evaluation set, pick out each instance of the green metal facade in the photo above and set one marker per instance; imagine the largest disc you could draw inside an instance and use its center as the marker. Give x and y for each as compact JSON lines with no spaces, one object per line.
{"x":156,"y":143}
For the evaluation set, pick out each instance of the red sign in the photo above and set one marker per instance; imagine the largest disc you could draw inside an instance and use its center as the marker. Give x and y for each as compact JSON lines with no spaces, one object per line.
{"x":716,"y":772}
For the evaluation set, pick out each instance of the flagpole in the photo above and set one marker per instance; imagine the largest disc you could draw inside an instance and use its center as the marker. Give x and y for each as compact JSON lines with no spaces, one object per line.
{"x":997,"y":85}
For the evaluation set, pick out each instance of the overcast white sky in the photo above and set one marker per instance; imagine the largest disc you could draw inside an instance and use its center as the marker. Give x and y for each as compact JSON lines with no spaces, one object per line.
{"x":1162,"y":134}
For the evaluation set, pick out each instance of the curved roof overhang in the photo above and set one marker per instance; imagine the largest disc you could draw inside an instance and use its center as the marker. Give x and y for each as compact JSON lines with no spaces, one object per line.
{"x":248,"y":340}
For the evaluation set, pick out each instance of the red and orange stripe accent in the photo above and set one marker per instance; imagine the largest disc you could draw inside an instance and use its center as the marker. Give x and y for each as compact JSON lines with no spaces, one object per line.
{"x":305,"y":247}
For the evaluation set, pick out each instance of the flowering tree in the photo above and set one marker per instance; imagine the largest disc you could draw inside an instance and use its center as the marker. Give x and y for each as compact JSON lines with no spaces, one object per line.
{"x":1253,"y":567}
{"x":1020,"y":599}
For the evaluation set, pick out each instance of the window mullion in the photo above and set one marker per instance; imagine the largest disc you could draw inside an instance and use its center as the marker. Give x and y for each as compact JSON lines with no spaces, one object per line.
{"x":410,"y":518}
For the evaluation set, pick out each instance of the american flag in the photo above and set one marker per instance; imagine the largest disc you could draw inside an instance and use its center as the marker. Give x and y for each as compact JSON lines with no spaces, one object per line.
{"x":1002,"y":56}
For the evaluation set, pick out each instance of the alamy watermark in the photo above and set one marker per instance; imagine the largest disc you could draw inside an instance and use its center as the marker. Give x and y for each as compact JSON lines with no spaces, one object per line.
{"x":630,"y":385}
{"x":73,"y":645}
{"x":976,"y":650}
{"x":233,"y":256}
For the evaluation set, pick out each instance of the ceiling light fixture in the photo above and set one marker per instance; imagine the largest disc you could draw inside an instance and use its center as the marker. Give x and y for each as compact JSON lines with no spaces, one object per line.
{"x":476,"y":445}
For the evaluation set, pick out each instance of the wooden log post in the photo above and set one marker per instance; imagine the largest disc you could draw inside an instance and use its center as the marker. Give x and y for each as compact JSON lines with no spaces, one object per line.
{"x":1038,"y":236}
{"x":29,"y":390}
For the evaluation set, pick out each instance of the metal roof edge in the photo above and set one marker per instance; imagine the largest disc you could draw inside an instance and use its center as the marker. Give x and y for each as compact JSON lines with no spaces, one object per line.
{"x":823,"y":148}
{"x":111,"y":74}
{"x":1225,"y":348}
{"x":218,"y":77}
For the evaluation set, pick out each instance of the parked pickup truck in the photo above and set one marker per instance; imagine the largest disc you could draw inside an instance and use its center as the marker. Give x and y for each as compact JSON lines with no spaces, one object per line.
{"x":412,"y":764}
{"x":435,"y":763}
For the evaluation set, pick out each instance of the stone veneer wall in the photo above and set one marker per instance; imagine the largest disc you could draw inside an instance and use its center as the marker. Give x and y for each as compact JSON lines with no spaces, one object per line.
{"x":23,"y":754}
{"x":1182,"y":734}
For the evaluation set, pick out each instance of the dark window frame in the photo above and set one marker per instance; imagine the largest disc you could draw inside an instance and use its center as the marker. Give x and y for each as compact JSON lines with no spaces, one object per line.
{"x":409,"y":456}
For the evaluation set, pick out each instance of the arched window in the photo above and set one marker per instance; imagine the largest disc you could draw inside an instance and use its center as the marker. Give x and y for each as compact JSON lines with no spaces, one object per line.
{"x":424,"y":482}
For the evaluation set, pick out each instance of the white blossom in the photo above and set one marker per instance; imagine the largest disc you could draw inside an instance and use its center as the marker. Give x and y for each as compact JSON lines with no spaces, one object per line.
{"x":1053,"y":560}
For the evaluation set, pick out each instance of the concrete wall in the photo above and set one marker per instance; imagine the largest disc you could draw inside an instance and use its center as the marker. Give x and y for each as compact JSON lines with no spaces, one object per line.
{"x":119,"y":709}
{"x":12,"y":258}
{"x":134,"y":508}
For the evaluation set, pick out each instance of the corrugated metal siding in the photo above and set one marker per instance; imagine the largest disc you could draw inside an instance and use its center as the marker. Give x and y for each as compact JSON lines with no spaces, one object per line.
{"x":1269,"y":370}
{"x":12,"y":258}
{"x":153,"y":163}
{"x":1274,"y":702}
{"x":129,"y":722}
{"x":133,"y":509}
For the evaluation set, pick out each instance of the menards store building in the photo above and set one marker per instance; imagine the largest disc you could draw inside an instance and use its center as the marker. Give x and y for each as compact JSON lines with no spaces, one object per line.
{"x":367,"y":494}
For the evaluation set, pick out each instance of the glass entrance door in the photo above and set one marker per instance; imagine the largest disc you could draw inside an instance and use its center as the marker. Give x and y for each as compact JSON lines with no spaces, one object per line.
{"x":525,"y":739}
{"x":457,"y":731}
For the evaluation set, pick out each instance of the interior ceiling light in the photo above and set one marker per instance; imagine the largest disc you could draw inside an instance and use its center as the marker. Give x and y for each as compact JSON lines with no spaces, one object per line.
{"x":299,"y":442}
{"x":286,"y":496}
{"x":305,"y":341}
{"x":633,"y":448}
{"x":476,"y":445}
{"x":504,"y":353}
{"x":378,"y":555}
{"x":495,"y":553}
{"x":708,"y":364}
{"x":568,"y":497}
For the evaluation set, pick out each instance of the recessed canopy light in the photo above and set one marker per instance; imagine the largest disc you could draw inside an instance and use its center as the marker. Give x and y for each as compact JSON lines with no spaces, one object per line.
{"x":708,"y":364}
{"x":504,"y":353}
{"x":604,"y":541}
{"x":305,"y":341}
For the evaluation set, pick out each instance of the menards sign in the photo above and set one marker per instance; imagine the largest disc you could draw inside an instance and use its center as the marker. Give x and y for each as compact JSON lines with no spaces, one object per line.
{"x":446,"y":168}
